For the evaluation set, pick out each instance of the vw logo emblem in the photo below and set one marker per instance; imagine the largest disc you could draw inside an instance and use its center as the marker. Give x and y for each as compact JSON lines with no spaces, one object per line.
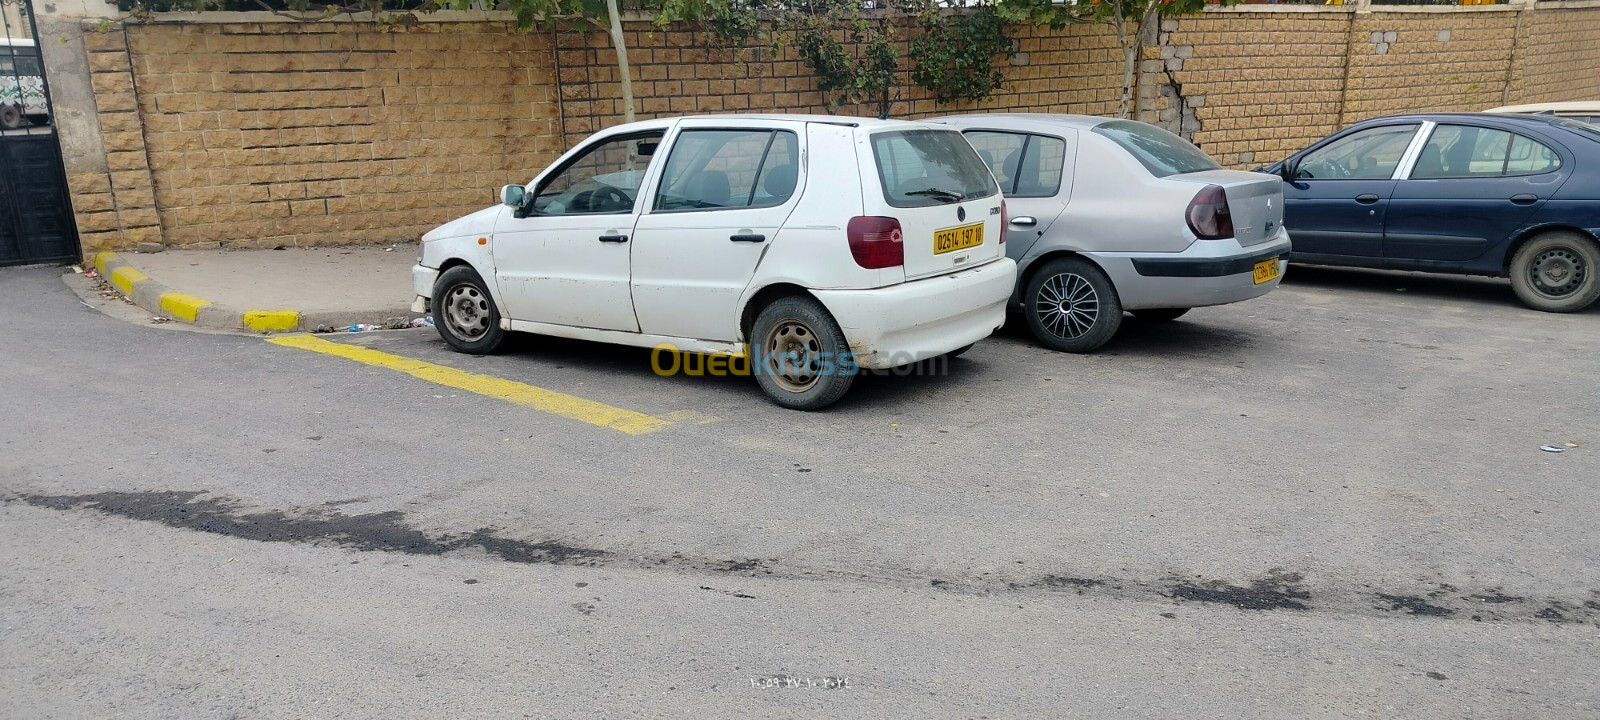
{"x":961,"y":213}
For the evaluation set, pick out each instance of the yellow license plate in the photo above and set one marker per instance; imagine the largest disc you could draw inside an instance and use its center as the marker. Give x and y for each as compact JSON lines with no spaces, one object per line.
{"x":1266,"y":271}
{"x":959,"y":238}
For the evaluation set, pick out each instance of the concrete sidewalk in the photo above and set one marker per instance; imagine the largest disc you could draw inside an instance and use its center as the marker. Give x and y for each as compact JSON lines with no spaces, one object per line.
{"x":269,"y":290}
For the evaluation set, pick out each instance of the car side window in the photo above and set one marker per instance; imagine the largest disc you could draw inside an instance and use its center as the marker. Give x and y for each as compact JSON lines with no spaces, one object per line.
{"x":1371,"y":154}
{"x":1463,"y":151}
{"x":605,"y":179}
{"x":1530,"y":157}
{"x":1025,"y":165}
{"x":726,"y":169}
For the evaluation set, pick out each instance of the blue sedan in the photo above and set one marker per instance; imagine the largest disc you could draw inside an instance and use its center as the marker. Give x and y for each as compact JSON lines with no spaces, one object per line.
{"x":1470,"y":193}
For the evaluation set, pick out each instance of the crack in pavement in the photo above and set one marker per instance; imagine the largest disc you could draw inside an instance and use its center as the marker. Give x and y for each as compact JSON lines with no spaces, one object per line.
{"x":1278,"y":589}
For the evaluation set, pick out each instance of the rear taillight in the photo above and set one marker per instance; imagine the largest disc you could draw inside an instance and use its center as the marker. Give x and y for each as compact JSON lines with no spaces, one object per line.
{"x":1208,"y":214}
{"x":1005,"y":221}
{"x":876,"y":242}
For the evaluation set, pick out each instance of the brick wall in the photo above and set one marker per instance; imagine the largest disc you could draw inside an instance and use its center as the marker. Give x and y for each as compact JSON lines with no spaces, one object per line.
{"x":1263,"y":84}
{"x":268,"y":134}
{"x":1074,"y":70}
{"x":1558,"y":56}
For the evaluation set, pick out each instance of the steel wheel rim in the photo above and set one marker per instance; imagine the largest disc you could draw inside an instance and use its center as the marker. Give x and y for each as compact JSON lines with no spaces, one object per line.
{"x":1558,"y":272}
{"x":1067,"y":306}
{"x":466,"y":312}
{"x":793,"y":355}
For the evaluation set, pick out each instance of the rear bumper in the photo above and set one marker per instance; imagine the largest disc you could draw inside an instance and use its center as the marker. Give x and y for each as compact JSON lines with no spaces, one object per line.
{"x":422,"y":280}
{"x":1209,"y":272}
{"x":902,"y":324}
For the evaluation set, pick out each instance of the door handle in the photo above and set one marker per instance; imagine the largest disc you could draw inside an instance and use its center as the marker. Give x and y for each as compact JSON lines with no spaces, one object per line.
{"x":614,"y":238}
{"x":748,"y":237}
{"x":1367,"y":199}
{"x":1024,"y":221}
{"x":1525,"y":199}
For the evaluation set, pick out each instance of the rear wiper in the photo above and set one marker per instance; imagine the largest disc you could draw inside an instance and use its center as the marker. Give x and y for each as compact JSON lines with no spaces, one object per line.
{"x":944,"y":195}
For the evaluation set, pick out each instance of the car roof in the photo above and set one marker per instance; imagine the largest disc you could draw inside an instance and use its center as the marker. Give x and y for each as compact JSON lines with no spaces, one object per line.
{"x":1500,"y":119}
{"x":859,"y":122}
{"x":1024,"y":121}
{"x":1583,"y":106}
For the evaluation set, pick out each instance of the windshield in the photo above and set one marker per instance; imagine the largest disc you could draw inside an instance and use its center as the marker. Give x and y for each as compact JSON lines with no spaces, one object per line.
{"x":922,"y":168}
{"x":1161,"y":152}
{"x":1580,"y":127}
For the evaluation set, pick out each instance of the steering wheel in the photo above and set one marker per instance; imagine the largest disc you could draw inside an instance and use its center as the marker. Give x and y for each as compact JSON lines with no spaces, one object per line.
{"x":607,"y":199}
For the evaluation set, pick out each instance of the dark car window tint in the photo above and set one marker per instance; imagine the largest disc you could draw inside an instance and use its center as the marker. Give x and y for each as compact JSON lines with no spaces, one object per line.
{"x":1370,"y":154}
{"x":922,"y":168}
{"x":1460,"y":151}
{"x":1161,"y":152}
{"x":1530,"y":157}
{"x":716,"y":169}
{"x":1026,"y":165}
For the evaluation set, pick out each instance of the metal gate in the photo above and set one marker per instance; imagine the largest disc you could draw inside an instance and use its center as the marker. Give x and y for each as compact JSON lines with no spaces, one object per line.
{"x":35,"y":210}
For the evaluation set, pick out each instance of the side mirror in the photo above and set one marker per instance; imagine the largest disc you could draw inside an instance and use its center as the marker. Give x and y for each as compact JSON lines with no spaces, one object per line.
{"x":1290,"y":169}
{"x":513,"y":195}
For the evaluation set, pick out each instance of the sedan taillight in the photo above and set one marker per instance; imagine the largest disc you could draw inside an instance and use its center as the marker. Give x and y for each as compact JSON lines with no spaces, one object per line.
{"x":1208,"y":214}
{"x":1005,"y":221}
{"x":876,"y":242}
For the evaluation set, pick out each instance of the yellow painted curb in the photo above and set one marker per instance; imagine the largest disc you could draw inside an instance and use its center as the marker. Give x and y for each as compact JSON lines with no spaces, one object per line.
{"x":538,"y":398}
{"x":126,"y":277}
{"x":181,"y":306}
{"x":101,"y":260}
{"x":271,"y":320}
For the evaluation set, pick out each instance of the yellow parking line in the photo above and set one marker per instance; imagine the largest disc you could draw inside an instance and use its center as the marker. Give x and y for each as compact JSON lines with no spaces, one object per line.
{"x":550,"y":401}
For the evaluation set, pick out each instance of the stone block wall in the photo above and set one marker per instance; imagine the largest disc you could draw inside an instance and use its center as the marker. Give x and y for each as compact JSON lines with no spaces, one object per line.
{"x":249,"y":130}
{"x":1074,"y":70}
{"x":1558,"y":54}
{"x":297,"y":134}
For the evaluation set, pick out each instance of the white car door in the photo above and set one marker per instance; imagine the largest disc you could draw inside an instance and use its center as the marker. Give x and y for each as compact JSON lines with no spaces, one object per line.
{"x":566,"y":260}
{"x":724,"y":190}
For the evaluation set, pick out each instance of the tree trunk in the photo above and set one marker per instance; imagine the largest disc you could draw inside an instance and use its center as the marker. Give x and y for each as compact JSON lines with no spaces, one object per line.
{"x":1130,"y":62}
{"x":623,"y":71}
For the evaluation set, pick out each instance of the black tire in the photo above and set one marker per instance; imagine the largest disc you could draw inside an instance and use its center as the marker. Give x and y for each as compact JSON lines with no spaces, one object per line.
{"x":1160,"y":314}
{"x":1557,"y":272}
{"x":799,"y":382}
{"x":958,"y":352}
{"x":1071,"y":306}
{"x":10,"y":117}
{"x":464,"y":312}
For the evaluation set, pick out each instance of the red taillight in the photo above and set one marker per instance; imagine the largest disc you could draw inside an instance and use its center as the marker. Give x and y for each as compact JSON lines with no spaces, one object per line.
{"x":1208,"y":214}
{"x":876,"y":242}
{"x":1005,"y":221}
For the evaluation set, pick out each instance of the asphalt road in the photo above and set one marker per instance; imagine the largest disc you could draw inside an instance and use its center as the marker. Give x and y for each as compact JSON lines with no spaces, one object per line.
{"x":1329,"y":502}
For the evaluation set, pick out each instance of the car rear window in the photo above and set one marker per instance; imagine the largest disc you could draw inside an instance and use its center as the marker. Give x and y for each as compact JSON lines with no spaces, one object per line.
{"x":1161,"y":152}
{"x":922,"y":168}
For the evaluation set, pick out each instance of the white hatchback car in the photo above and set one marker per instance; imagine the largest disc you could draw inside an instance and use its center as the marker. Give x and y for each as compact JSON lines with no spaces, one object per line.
{"x":811,"y":245}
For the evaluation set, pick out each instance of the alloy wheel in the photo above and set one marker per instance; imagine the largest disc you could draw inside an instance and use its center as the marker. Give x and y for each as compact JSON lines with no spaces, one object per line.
{"x":1067,"y":305}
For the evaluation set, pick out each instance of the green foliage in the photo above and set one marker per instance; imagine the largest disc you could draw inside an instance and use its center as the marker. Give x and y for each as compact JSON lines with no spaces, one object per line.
{"x":955,"y":53}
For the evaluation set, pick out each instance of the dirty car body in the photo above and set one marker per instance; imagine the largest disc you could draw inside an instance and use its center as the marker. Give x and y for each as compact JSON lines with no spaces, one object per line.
{"x":881,"y":238}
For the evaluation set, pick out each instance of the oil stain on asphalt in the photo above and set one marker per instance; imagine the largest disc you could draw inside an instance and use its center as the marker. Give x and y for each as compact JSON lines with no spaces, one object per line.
{"x":1278,"y":590}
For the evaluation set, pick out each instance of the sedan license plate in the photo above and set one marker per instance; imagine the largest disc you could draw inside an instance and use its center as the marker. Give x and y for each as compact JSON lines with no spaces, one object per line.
{"x":1266,"y":271}
{"x":959,"y":238}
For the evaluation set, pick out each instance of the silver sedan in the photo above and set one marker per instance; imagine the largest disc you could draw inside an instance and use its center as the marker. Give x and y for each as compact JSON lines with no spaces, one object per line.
{"x":1108,"y":216}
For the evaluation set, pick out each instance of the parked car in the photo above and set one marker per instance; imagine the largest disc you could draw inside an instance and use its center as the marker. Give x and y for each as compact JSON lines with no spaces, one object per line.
{"x":1583,"y":110}
{"x":21,"y":85}
{"x":822,"y":244}
{"x":1113,"y":215}
{"x":1465,"y":193}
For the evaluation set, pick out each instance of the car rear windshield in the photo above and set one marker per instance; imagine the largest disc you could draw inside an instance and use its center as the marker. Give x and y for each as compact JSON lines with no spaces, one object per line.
{"x":1161,"y":152}
{"x":921,"y":168}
